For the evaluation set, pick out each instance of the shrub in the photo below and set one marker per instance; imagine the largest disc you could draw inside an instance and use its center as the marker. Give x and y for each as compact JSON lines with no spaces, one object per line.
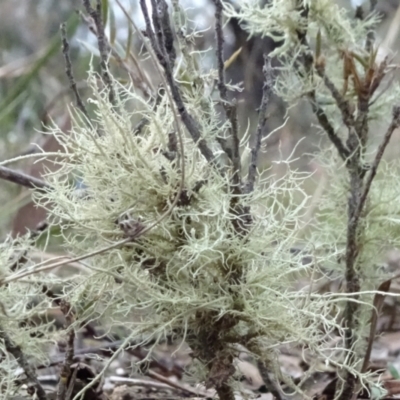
{"x":158,"y":198}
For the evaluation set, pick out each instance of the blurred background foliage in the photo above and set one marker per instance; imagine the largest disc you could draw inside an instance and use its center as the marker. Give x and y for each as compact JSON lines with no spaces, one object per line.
{"x":34,"y":88}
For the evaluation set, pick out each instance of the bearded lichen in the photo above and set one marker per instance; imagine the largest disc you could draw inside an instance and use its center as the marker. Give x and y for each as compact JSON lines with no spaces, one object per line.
{"x":153,"y":202}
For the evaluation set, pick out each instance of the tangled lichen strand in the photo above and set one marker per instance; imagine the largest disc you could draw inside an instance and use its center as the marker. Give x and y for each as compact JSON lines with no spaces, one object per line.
{"x":192,"y":275}
{"x":380,"y":219}
{"x":323,"y":21}
{"x":192,"y":270}
{"x":380,"y":216}
{"x":282,"y":20}
{"x":26,"y":325}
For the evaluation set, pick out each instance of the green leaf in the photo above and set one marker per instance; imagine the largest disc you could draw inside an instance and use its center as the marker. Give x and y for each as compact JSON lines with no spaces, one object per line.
{"x":104,"y":12}
{"x":129,"y":41}
{"x":113,"y":28}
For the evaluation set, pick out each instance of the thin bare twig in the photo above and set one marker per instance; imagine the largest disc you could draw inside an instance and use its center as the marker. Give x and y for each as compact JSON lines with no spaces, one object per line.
{"x":167,"y":35}
{"x":376,"y":309}
{"x":327,"y":126}
{"x":269,"y":383}
{"x":231,"y":112}
{"x":103,"y":46}
{"x":223,"y":91}
{"x":71,"y":384}
{"x":230,"y":108}
{"x":175,"y":385}
{"x":138,"y":382}
{"x":22,"y":179}
{"x":65,"y":373}
{"x":267,"y":90}
{"x":191,"y":124}
{"x":308,"y":62}
{"x":30,"y":373}
{"x":341,"y":102}
{"x":157,"y":27}
{"x":68,"y":70}
{"x":141,"y":81}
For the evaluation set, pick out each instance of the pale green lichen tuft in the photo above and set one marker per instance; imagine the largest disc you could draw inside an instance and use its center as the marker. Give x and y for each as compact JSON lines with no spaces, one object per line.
{"x":192,"y":270}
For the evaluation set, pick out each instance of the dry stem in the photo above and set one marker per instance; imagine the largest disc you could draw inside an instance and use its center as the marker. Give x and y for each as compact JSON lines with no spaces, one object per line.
{"x":22,"y":179}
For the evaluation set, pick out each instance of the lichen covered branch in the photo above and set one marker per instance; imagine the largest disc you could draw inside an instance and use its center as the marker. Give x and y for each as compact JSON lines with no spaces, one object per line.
{"x":190,"y":123}
{"x":267,"y":91}
{"x":102,"y":44}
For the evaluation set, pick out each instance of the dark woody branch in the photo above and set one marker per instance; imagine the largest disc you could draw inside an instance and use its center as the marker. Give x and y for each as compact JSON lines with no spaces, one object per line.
{"x":102,"y":44}
{"x":230,"y":108}
{"x":341,"y":102}
{"x":68,"y":70}
{"x":307,"y":60}
{"x":159,"y":48}
{"x":159,"y":37}
{"x":359,"y":187}
{"x":223,"y":91}
{"x":65,"y":375}
{"x":328,"y":127}
{"x":22,"y":179}
{"x":267,"y":90}
{"x":269,"y":383}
